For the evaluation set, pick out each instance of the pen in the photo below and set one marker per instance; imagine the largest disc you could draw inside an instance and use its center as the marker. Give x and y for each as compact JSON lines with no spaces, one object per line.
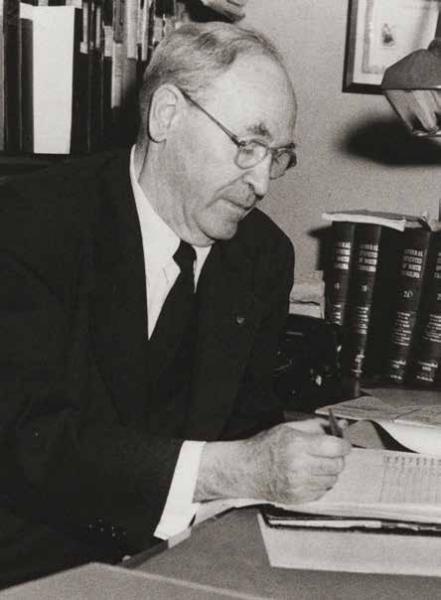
{"x":333,"y":425}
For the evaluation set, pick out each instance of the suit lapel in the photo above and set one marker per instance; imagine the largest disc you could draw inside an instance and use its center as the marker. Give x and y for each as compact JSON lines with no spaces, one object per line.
{"x":228,"y":316}
{"x":120,"y":313}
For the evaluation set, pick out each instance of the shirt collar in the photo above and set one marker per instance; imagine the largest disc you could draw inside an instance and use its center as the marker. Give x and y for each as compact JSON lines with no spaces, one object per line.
{"x":160,"y":242}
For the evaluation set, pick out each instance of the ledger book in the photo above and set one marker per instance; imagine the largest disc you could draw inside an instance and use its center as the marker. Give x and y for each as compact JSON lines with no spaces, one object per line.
{"x":383,"y":484}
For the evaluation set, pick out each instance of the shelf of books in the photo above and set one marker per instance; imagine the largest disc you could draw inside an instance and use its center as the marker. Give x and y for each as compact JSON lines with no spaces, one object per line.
{"x":70,"y":71}
{"x":383,"y":290}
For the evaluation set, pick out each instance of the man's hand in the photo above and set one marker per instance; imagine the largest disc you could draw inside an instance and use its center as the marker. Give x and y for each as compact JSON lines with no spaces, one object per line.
{"x":233,"y":9}
{"x":287,"y":464}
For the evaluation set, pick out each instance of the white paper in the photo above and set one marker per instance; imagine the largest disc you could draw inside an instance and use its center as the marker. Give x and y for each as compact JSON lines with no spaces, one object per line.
{"x":351,"y":551}
{"x":412,"y":417}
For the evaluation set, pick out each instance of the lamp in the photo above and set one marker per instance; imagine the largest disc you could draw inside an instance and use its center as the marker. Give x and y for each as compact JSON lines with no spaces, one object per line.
{"x":413,"y":87}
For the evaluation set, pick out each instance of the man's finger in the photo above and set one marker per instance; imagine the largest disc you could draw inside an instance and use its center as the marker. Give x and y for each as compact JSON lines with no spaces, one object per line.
{"x":307,"y":426}
{"x":329,"y":446}
{"x":322,"y":483}
{"x":328,"y":466}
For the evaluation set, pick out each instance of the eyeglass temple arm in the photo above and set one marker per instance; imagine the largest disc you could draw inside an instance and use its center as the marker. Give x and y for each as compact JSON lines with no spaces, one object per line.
{"x":229,"y":133}
{"x":438,"y":24}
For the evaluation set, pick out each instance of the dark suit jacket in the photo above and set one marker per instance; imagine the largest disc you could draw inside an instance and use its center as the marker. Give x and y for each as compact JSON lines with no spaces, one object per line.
{"x":82,"y":470}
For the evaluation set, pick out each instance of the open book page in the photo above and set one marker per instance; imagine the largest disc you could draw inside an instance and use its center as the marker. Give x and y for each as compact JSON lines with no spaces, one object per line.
{"x":424,"y":415}
{"x":396,"y":221}
{"x":392,"y":404}
{"x":412,"y":417}
{"x":384,"y":484}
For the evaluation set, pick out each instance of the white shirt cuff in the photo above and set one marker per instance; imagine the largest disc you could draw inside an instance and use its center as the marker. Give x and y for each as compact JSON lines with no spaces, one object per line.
{"x":179,"y":509}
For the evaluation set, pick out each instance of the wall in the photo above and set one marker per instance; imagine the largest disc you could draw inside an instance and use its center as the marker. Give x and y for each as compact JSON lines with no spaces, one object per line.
{"x":352,"y":150}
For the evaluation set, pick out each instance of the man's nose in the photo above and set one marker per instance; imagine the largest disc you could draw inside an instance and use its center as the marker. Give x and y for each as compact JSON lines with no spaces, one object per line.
{"x":259,"y":176}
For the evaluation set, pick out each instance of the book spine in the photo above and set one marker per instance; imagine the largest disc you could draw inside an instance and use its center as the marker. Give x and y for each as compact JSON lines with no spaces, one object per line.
{"x":2,"y":78}
{"x":131,"y":29}
{"x":361,"y":290}
{"x":406,"y":297}
{"x":106,"y":58}
{"x":125,"y":74}
{"x":151,"y":20}
{"x":79,"y":87}
{"x":96,"y":74}
{"x":91,"y":73}
{"x":27,"y":132}
{"x":12,"y":56}
{"x":143,"y":26}
{"x":338,"y":271}
{"x":81,"y":100}
{"x":117,"y":67}
{"x":426,"y":349}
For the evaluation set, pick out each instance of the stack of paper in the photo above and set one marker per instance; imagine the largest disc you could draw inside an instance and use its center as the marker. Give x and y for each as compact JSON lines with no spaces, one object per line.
{"x":279,"y":517}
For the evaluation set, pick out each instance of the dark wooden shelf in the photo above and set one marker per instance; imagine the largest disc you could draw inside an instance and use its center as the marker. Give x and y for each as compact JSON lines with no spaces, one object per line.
{"x":16,"y":164}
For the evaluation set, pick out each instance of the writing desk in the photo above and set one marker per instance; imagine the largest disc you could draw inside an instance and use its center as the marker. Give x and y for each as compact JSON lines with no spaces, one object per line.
{"x":228,"y":554}
{"x":223,"y":559}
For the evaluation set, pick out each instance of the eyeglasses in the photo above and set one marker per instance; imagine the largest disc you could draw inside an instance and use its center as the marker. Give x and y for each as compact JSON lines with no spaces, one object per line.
{"x":252,"y":152}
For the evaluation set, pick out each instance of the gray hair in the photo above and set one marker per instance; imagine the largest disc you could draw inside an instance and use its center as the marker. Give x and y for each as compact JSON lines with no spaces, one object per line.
{"x":193,"y":55}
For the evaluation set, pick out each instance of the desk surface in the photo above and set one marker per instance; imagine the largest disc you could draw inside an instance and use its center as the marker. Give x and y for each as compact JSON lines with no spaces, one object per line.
{"x":224,"y":559}
{"x":228,"y":554}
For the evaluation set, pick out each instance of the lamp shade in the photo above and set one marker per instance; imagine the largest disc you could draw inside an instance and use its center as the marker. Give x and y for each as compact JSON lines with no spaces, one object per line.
{"x":413,"y":87}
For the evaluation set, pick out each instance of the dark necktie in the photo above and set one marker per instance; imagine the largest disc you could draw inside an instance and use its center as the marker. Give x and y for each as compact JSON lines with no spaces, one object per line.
{"x":171,"y":351}
{"x":178,"y":311}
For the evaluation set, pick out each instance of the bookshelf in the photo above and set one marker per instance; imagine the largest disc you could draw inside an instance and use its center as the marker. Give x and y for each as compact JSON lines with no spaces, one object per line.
{"x":69,"y":74}
{"x":383,"y":291}
{"x":11,"y":165}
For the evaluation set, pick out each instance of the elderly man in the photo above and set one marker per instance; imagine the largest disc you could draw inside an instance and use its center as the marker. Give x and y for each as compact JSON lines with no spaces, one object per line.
{"x":141,"y":301}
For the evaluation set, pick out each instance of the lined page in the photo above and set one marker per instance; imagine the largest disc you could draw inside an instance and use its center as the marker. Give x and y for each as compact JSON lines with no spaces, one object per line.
{"x":384,"y":483}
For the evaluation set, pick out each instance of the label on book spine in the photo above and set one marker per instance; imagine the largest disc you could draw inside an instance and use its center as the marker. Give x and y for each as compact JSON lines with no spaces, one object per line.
{"x":338,"y":271}
{"x":426,"y":352}
{"x":406,"y":298}
{"x":361,"y":290}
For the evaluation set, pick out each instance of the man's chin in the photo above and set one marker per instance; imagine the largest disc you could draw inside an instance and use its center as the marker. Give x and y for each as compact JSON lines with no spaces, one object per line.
{"x":226,"y":232}
{"x":224,"y":227}
{"x":229,"y":228}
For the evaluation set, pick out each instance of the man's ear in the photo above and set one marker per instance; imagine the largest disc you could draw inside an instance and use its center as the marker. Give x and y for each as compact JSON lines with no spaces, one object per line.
{"x":164,"y":111}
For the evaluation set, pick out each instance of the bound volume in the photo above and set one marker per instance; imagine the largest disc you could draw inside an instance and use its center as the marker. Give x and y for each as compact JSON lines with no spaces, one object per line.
{"x":426,"y":351}
{"x":385,"y":294}
{"x":377,"y":489}
{"x":406,"y":291}
{"x":338,"y":271}
{"x":360,"y":296}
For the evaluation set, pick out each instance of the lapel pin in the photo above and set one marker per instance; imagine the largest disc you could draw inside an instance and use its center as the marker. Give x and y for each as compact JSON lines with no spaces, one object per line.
{"x":240,"y":320}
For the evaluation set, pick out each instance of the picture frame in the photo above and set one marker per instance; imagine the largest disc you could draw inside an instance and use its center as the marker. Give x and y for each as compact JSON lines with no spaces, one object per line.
{"x":381,"y":32}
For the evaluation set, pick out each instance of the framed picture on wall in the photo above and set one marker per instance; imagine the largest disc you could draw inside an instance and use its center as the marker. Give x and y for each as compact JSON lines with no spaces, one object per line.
{"x":379,"y":33}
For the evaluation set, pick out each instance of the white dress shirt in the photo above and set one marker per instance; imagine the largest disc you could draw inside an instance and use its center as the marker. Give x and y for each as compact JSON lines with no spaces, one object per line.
{"x":159,"y":245}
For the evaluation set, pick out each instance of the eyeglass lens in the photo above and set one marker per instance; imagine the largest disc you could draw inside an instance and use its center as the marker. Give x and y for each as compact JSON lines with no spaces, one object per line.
{"x":251,"y":154}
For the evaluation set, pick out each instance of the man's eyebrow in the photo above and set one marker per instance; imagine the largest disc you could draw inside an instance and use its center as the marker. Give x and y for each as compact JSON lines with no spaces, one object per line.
{"x":259,"y":129}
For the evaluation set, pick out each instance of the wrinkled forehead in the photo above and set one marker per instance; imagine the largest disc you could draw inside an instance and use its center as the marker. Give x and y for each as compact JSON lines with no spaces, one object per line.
{"x":256,"y":94}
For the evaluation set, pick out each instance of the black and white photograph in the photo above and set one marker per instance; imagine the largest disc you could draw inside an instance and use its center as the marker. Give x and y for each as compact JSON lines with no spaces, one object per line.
{"x":220,"y":299}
